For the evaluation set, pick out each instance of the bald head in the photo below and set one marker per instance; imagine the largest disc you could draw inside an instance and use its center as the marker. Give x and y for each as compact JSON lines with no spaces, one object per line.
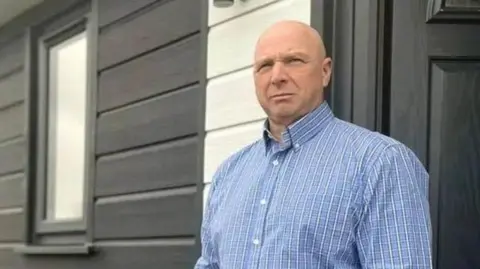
{"x":291,"y":29}
{"x":290,"y":71}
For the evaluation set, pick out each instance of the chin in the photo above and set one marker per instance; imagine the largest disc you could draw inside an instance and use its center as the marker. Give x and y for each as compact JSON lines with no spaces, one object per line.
{"x":283,"y":111}
{"x":284,"y":117}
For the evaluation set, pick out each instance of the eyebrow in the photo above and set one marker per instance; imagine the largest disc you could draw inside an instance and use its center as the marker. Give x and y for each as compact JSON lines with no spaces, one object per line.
{"x":268,"y":59}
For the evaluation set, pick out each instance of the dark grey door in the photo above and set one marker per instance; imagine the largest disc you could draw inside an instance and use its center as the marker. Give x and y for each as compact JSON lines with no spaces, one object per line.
{"x":435,"y":109}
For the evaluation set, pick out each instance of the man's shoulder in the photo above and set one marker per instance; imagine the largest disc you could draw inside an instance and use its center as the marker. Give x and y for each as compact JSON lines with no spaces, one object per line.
{"x":367,"y":144}
{"x":236,"y":157}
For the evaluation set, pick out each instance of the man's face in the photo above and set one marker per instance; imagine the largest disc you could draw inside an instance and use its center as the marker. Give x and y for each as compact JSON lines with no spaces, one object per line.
{"x":289,"y":73}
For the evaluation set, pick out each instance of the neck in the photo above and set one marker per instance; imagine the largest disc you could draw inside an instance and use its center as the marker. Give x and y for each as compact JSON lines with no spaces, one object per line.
{"x":276,"y":129}
{"x":277,"y":126}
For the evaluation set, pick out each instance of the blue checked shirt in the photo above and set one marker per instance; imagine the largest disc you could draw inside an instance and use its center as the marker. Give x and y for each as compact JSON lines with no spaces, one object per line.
{"x":331,"y":195}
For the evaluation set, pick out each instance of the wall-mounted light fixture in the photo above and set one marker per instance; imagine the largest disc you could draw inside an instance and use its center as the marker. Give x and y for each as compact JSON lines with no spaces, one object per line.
{"x":224,"y":3}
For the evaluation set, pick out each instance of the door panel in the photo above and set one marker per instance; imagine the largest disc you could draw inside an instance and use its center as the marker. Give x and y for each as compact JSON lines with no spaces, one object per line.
{"x":462,"y":3}
{"x":435,"y":110}
{"x":454,"y":141}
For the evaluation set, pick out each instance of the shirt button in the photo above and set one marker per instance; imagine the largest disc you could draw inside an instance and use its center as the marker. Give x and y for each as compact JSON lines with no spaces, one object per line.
{"x":296,"y":146}
{"x":263,"y":201}
{"x":256,"y":242}
{"x":275,"y":163}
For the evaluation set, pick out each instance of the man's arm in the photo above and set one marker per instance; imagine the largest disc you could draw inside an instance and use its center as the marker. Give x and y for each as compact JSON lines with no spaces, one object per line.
{"x":394,"y":230}
{"x":208,"y":258}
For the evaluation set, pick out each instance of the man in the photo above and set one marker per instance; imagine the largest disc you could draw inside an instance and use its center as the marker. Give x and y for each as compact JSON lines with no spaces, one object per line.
{"x":314,"y":191}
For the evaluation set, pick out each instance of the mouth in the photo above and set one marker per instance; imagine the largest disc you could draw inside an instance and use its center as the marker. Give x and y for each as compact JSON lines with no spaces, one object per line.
{"x":281,"y":96}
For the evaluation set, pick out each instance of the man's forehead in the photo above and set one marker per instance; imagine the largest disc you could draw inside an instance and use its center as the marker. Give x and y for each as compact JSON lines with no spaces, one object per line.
{"x":288,"y":35}
{"x":277,"y":48}
{"x":285,"y":37}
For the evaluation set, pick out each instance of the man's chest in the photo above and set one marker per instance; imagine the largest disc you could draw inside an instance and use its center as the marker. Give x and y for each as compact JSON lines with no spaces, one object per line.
{"x":288,"y":204}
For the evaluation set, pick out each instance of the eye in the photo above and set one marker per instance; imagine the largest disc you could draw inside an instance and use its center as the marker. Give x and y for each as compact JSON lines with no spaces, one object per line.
{"x":263,"y":66}
{"x":294,"y":60}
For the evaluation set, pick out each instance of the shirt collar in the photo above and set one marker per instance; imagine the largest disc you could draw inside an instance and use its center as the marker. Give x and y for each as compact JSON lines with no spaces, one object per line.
{"x":299,"y":132}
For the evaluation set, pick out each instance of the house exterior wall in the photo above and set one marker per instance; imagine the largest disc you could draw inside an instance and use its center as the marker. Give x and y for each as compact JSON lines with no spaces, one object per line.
{"x":147,"y":139}
{"x":12,"y":143}
{"x":145,"y":207}
{"x":173,"y":98}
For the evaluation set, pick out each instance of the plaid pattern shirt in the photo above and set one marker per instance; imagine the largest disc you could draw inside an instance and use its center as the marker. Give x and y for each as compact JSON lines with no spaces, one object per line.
{"x":331,"y":195}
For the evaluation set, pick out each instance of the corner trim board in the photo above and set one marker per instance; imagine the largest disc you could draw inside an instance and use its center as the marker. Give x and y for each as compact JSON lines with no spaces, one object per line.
{"x":204,"y":28}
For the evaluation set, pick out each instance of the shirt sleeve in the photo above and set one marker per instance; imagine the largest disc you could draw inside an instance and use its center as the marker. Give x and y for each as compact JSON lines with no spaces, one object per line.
{"x":394,"y":230}
{"x":209,"y":258}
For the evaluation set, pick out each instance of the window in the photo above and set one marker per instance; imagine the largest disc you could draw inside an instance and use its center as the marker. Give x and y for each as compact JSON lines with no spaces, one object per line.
{"x":67,"y":98}
{"x":62,"y":147}
{"x":61,"y":122}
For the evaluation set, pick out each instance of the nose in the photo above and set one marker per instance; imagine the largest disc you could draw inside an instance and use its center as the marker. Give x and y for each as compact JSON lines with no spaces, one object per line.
{"x":279,"y":75}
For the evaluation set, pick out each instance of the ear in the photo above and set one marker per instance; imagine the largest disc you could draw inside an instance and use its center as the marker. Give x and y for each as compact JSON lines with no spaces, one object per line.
{"x":327,"y":71}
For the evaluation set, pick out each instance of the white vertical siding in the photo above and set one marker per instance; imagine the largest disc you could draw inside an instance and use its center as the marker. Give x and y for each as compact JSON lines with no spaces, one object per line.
{"x":233,"y":116}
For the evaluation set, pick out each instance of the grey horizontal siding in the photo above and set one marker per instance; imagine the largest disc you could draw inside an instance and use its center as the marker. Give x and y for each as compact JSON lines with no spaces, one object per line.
{"x":12,"y":89}
{"x":12,"y":156}
{"x":171,"y":257}
{"x":12,"y":145}
{"x":109,"y":257}
{"x":163,"y":166}
{"x":157,"y":26}
{"x":147,"y":141}
{"x":166,"y":213}
{"x":158,"y":119}
{"x":157,"y":72}
{"x":12,"y":121}
{"x":8,"y":259}
{"x":12,"y":190}
{"x":11,"y":56}
{"x":11,"y":226}
{"x":111,"y":10}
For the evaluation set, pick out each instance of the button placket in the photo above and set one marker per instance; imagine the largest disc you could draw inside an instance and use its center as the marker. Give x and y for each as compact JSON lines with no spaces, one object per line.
{"x":264,"y":196}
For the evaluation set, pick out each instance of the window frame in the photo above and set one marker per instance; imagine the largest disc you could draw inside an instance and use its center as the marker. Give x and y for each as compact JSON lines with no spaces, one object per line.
{"x":42,"y":236}
{"x":44,"y":44}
